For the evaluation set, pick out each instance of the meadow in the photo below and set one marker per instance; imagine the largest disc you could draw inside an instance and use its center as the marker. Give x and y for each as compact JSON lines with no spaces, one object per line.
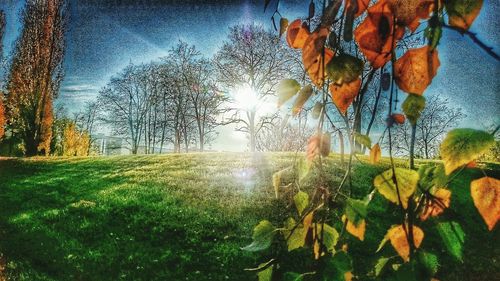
{"x":186,"y":216}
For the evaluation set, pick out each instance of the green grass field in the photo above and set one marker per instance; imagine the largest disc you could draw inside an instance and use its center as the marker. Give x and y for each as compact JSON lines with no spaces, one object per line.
{"x":185,"y":217}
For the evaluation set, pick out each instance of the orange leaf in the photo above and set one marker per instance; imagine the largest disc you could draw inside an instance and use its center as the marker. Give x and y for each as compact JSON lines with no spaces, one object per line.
{"x":318,"y":144}
{"x":409,"y":12}
{"x":375,"y":35}
{"x":344,"y":94}
{"x":436,"y":206}
{"x":472,"y":164}
{"x":356,"y":231}
{"x":399,"y":241}
{"x":297,"y":34}
{"x":485,"y":193}
{"x":315,"y":56}
{"x":375,"y":154}
{"x":362,"y":6}
{"x":398,"y":118}
{"x":415,"y":69}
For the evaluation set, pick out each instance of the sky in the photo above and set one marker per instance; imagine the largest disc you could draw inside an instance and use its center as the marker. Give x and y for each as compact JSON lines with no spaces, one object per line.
{"x":106,"y":35}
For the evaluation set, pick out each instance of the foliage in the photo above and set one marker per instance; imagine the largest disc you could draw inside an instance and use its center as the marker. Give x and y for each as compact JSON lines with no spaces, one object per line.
{"x":75,"y":142}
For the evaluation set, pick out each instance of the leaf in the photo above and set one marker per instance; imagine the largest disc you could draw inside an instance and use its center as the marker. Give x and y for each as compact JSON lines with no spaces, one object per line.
{"x":344,"y":68}
{"x":485,"y":193}
{"x":398,"y":118}
{"x":330,"y":238}
{"x":462,"y":146}
{"x":361,"y":6}
{"x":356,"y":210}
{"x":301,"y":200}
{"x":407,"y":183}
{"x":343,"y":95}
{"x":266,"y":274}
{"x":358,"y":230}
{"x":297,"y":238}
{"x":304,"y":94}
{"x":317,"y":110}
{"x":262,"y":236}
{"x":432,"y":175}
{"x":311,"y":10}
{"x":453,"y":238}
{"x":287,"y":88}
{"x":363,"y":139}
{"x":283,"y":25}
{"x":414,"y":71}
{"x":319,"y":144}
{"x":436,"y":206}
{"x":409,"y":12}
{"x":429,"y":262}
{"x":398,"y":239}
{"x":375,"y":154}
{"x":337,"y":267}
{"x":462,"y":13}
{"x":315,"y":56}
{"x":433,"y":33}
{"x":380,"y":265}
{"x":297,"y":34}
{"x":413,"y":107}
{"x":374,"y":36}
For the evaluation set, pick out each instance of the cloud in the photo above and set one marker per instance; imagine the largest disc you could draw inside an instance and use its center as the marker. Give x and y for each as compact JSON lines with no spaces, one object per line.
{"x":77,"y":88}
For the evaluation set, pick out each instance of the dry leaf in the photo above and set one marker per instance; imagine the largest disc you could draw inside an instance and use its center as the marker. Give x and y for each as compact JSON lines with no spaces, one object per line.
{"x":297,"y":34}
{"x":485,"y":193}
{"x":398,"y":239}
{"x":375,"y":154}
{"x":436,"y":206}
{"x":356,"y":231}
{"x":315,"y":56}
{"x":343,"y":95}
{"x":415,"y":69}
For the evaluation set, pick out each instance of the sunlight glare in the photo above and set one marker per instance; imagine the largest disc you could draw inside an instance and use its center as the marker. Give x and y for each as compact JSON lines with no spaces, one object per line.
{"x":246,"y":98}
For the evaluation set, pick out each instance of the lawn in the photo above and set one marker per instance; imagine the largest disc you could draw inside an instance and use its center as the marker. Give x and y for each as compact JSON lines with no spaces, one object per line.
{"x":185,"y":217}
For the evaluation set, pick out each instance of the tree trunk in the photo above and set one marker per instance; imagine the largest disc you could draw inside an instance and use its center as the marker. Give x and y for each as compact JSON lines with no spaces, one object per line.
{"x":341,"y":143}
{"x":252,"y":131}
{"x":412,"y":145}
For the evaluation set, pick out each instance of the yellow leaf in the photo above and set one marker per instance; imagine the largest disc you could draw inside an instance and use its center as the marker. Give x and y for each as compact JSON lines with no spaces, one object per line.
{"x":356,"y":231}
{"x":485,"y":193}
{"x":276,"y":182}
{"x":375,"y":154}
{"x":316,"y":250}
{"x":436,"y":206}
{"x":283,"y":25}
{"x":348,"y":276}
{"x":407,"y":181}
{"x":398,"y":239}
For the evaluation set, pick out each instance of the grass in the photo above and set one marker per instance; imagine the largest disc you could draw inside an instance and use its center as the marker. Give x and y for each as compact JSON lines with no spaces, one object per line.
{"x":185,"y":217}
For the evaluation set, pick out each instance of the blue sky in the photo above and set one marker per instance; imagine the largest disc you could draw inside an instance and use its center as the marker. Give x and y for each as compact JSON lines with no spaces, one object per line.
{"x":104,"y":38}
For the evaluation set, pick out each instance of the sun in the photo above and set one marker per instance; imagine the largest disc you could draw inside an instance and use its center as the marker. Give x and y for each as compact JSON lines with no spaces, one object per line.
{"x":246,"y":98}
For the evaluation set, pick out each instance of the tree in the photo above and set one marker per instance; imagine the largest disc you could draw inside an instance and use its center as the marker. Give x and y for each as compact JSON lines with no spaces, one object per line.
{"x":36,"y":73}
{"x":75,"y":142}
{"x":251,"y":62}
{"x":436,"y":120}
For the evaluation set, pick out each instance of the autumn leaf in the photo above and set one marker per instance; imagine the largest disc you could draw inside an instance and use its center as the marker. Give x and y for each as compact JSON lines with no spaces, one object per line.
{"x":407,"y":181}
{"x":357,"y":231}
{"x":297,"y":34}
{"x":399,"y":241}
{"x":485,"y":193}
{"x":375,"y":154}
{"x":315,"y":56}
{"x":375,"y":36}
{"x":343,"y":95}
{"x":462,"y":13}
{"x":327,"y":234}
{"x":318,"y":144}
{"x":435,"y":206}
{"x":409,"y":12}
{"x":415,"y":70}
{"x":462,"y":146}
{"x":344,"y":69}
{"x":287,"y":88}
{"x":362,"y":5}
{"x":283,"y":25}
{"x":304,"y":94}
{"x":413,"y":107}
{"x":398,"y":118}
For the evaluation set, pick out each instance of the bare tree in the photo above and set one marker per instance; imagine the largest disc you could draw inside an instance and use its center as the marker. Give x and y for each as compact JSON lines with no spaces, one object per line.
{"x":436,"y":120}
{"x":251,"y":58}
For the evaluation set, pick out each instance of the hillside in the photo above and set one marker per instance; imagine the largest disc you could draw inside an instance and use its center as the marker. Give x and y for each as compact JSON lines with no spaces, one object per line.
{"x":183,"y":217}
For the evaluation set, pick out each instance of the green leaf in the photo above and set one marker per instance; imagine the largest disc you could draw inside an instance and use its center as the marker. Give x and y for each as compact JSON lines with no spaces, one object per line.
{"x":453,"y":238}
{"x":462,"y":146}
{"x":297,"y":239}
{"x":413,"y":107}
{"x":433,"y":34}
{"x":344,"y":68}
{"x":380,"y":265}
{"x":287,"y":88}
{"x":407,"y":181}
{"x":292,"y":276}
{"x":301,"y":200}
{"x":382,"y":244}
{"x":356,"y":210}
{"x":363,"y":139}
{"x":262,"y":236}
{"x":432,"y":175}
{"x":429,"y":262}
{"x":304,"y":94}
{"x":337,"y":266}
{"x":266,"y":274}
{"x":331,"y":236}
